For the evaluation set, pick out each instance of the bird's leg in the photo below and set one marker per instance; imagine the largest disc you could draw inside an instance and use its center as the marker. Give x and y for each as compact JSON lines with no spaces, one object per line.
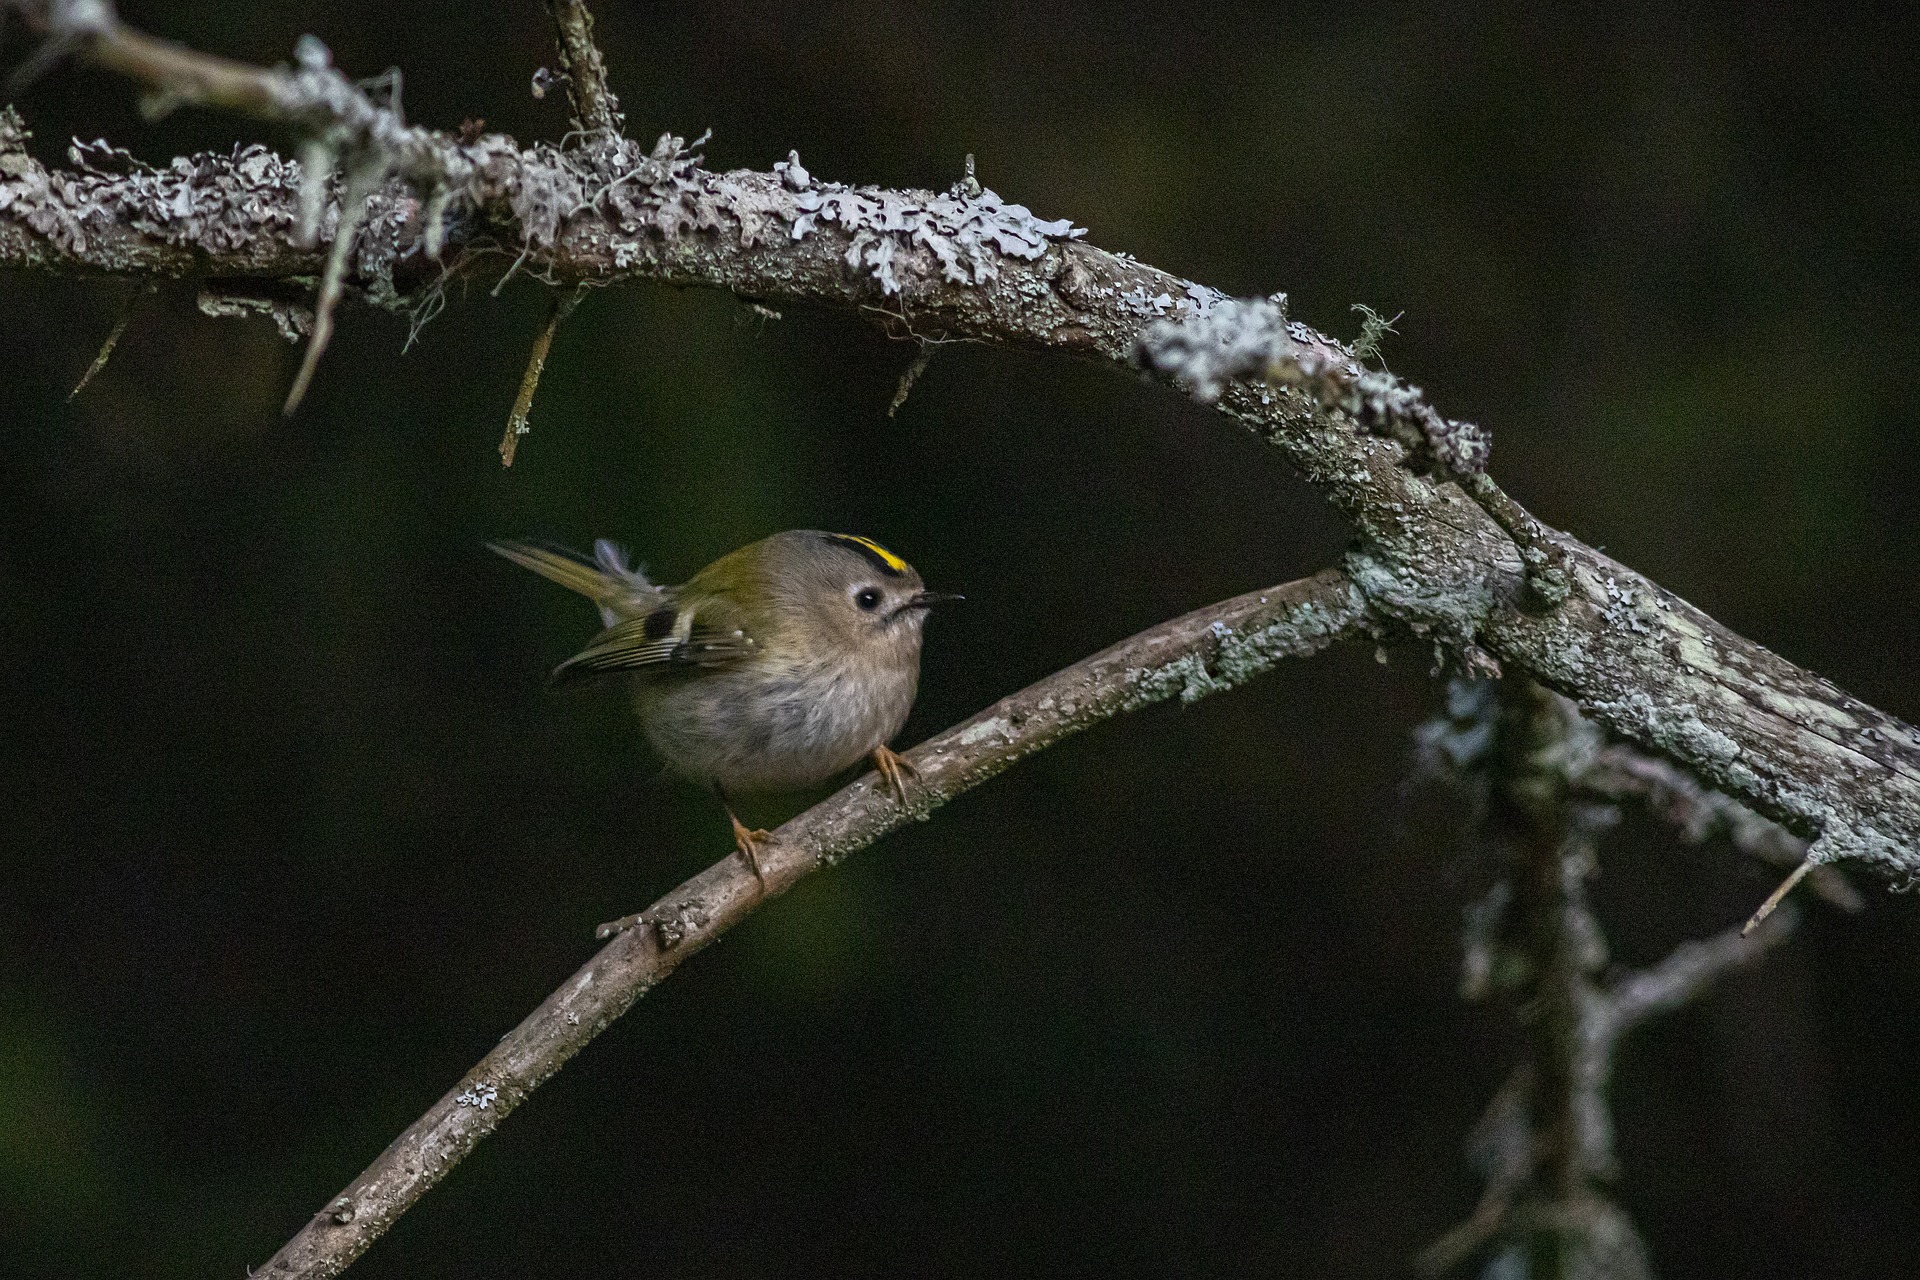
{"x":746,"y":839}
{"x":895,"y":769}
{"x":748,"y":842}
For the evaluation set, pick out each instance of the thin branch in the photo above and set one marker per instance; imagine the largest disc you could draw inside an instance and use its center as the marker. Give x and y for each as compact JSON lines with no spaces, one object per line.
{"x":594,"y":107}
{"x":517,"y":425}
{"x":1779,"y":895}
{"x":1204,"y":652}
{"x":1688,"y":971}
{"x":364,"y":176}
{"x":112,"y":341}
{"x":313,"y":96}
{"x":921,"y":359}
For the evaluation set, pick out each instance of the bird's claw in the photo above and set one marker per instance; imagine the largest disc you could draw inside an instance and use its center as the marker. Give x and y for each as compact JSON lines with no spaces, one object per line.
{"x":748,"y":841}
{"x":895,"y":769}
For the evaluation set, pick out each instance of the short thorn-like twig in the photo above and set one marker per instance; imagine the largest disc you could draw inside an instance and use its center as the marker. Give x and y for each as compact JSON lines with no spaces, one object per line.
{"x":517,"y":424}
{"x":364,"y":176}
{"x":106,"y":348}
{"x":919,"y":366}
{"x":1779,"y":895}
{"x":613,"y":928}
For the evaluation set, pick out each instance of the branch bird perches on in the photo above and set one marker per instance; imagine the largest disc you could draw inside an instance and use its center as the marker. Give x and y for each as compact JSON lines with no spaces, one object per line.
{"x":1190,"y":657}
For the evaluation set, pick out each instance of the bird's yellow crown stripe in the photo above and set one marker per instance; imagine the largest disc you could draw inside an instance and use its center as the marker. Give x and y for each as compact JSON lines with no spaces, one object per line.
{"x":887,"y":557}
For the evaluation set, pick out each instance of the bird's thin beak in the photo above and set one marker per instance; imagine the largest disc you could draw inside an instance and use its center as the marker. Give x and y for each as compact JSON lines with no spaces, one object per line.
{"x":927,"y":599}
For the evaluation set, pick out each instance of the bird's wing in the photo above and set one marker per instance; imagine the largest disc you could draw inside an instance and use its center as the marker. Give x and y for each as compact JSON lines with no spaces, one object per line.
{"x":671,"y":636}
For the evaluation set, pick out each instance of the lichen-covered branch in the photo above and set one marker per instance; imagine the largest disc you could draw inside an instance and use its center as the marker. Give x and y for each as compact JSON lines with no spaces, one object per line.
{"x":1474,"y":574}
{"x":1189,"y":657}
{"x":313,"y":95}
{"x":1545,"y":1146}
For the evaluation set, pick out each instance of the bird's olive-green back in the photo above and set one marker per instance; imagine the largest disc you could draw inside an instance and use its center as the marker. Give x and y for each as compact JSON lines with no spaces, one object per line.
{"x":791,"y":599}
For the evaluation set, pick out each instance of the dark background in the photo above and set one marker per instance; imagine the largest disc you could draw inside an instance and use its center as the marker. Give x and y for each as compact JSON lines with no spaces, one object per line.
{"x":290,"y":830}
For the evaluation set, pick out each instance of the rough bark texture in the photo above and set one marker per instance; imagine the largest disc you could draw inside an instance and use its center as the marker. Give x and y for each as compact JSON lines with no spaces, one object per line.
{"x":595,"y":109}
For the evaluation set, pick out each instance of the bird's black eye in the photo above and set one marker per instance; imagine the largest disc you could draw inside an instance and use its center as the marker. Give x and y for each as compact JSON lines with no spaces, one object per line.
{"x":867,"y":598}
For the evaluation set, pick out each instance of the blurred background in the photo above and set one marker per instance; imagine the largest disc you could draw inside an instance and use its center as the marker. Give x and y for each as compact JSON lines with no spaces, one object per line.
{"x":291,"y":831}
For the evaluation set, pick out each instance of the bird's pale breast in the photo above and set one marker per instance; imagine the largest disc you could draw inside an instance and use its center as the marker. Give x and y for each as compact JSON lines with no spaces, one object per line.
{"x":751,"y":730}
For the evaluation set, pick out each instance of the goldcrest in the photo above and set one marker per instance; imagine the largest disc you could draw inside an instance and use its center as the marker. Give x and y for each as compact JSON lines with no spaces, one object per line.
{"x":775,"y":667}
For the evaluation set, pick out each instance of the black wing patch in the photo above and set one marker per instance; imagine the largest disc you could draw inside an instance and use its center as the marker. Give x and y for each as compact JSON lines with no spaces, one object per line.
{"x":658,"y":625}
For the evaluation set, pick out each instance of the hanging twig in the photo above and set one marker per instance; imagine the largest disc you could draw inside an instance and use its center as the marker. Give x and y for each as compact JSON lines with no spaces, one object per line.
{"x":517,"y":424}
{"x":113,"y":340}
{"x":921,"y":359}
{"x":364,"y":175}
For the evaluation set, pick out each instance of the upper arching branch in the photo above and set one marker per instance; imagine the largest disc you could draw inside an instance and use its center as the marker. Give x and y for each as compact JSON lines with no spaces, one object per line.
{"x":965,"y":263}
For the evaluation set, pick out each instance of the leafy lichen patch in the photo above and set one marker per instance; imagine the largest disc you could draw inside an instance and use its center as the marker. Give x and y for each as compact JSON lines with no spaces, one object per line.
{"x":966,"y":234}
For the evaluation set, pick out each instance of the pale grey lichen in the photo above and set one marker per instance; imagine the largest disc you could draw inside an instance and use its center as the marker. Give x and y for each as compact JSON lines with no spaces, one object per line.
{"x":966,"y":234}
{"x":480,"y":1096}
{"x":1235,"y":656}
{"x":221,"y":203}
{"x":1253,"y":338}
{"x":1202,"y":299}
{"x":1452,"y":609}
{"x":1386,"y":406}
{"x":1220,"y":342}
{"x":792,"y":174}
{"x":985,"y":731}
{"x":657,"y":191}
{"x":685,"y":919}
{"x":293,"y":319}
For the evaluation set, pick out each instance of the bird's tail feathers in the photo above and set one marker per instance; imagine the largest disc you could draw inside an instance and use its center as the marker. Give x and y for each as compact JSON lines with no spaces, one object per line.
{"x":619,"y":589}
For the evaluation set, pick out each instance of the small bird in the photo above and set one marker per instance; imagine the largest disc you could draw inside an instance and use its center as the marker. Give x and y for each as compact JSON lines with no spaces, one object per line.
{"x":774,"y":668}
